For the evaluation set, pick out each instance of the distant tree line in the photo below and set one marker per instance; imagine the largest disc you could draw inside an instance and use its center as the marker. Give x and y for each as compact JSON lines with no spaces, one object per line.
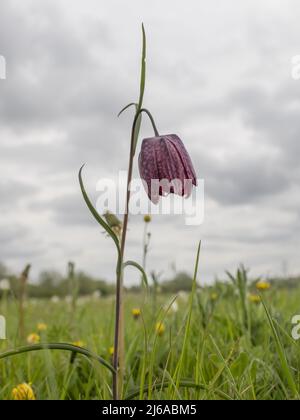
{"x":52,"y":283}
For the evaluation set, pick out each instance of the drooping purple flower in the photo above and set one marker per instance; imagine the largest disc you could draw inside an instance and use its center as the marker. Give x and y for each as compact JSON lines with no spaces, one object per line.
{"x":166,"y":167}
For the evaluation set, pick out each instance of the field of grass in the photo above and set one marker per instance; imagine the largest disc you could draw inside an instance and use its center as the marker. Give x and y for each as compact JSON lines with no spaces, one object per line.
{"x":216,"y":343}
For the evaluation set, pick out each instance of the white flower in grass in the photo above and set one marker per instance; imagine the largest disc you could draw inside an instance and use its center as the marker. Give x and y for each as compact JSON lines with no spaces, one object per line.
{"x":96,"y":295}
{"x":82,"y":300}
{"x":183,"y":295}
{"x":4,"y":284}
{"x":68,"y":298}
{"x":33,"y":302}
{"x":173,"y":308}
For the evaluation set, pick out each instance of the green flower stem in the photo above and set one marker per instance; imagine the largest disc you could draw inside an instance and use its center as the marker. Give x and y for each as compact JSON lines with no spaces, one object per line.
{"x":22,"y":297}
{"x":119,"y":351}
{"x":136,"y":124}
{"x":119,"y":339}
{"x":152,"y":121}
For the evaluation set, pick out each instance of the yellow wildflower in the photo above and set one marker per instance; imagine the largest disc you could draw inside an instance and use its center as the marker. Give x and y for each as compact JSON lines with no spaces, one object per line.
{"x":33,"y":338}
{"x":160,"y":328}
{"x":253,"y":298}
{"x":111,"y":351}
{"x":78,"y":343}
{"x":136,"y":313}
{"x":214,"y":296}
{"x":41,"y":326}
{"x":147,"y":218}
{"x":23,"y":392}
{"x":263,"y":285}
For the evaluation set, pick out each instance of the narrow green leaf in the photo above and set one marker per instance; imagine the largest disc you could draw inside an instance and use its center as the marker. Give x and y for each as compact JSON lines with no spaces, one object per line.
{"x":94,"y":212}
{"x":225,"y":364}
{"x":140,"y":268}
{"x":240,"y":364}
{"x":178,"y":370}
{"x":57,"y":346}
{"x":232,"y":278}
{"x":128,"y":106}
{"x":143,"y":69}
{"x":281,"y":354}
{"x":142,"y":89}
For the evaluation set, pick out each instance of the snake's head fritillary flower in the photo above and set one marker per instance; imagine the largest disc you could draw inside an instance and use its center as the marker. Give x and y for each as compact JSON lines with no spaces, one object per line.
{"x":23,"y":392}
{"x":166,"y":167}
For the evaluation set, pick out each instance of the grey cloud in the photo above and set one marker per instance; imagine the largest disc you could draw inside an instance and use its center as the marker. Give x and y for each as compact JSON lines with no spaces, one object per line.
{"x":53,"y":75}
{"x":69,"y":210}
{"x":243,"y":179}
{"x":13,"y":192}
{"x":17,"y":242}
{"x":273,"y":114}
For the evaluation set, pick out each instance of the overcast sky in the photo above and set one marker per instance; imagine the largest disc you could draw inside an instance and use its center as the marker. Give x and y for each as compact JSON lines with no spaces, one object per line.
{"x":218,"y":75}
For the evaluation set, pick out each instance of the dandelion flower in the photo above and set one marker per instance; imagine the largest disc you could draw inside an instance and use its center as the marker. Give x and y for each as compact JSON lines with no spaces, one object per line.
{"x":263,"y":285}
{"x":214,"y":297}
{"x":41,"y":326}
{"x":136,"y":313}
{"x":33,"y":338}
{"x":147,"y":218}
{"x":160,"y":328}
{"x":78,"y":343}
{"x":253,"y":298}
{"x":23,"y":392}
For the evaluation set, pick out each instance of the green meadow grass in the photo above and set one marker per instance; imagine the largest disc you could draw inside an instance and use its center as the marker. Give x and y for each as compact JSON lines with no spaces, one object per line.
{"x":217,"y":345}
